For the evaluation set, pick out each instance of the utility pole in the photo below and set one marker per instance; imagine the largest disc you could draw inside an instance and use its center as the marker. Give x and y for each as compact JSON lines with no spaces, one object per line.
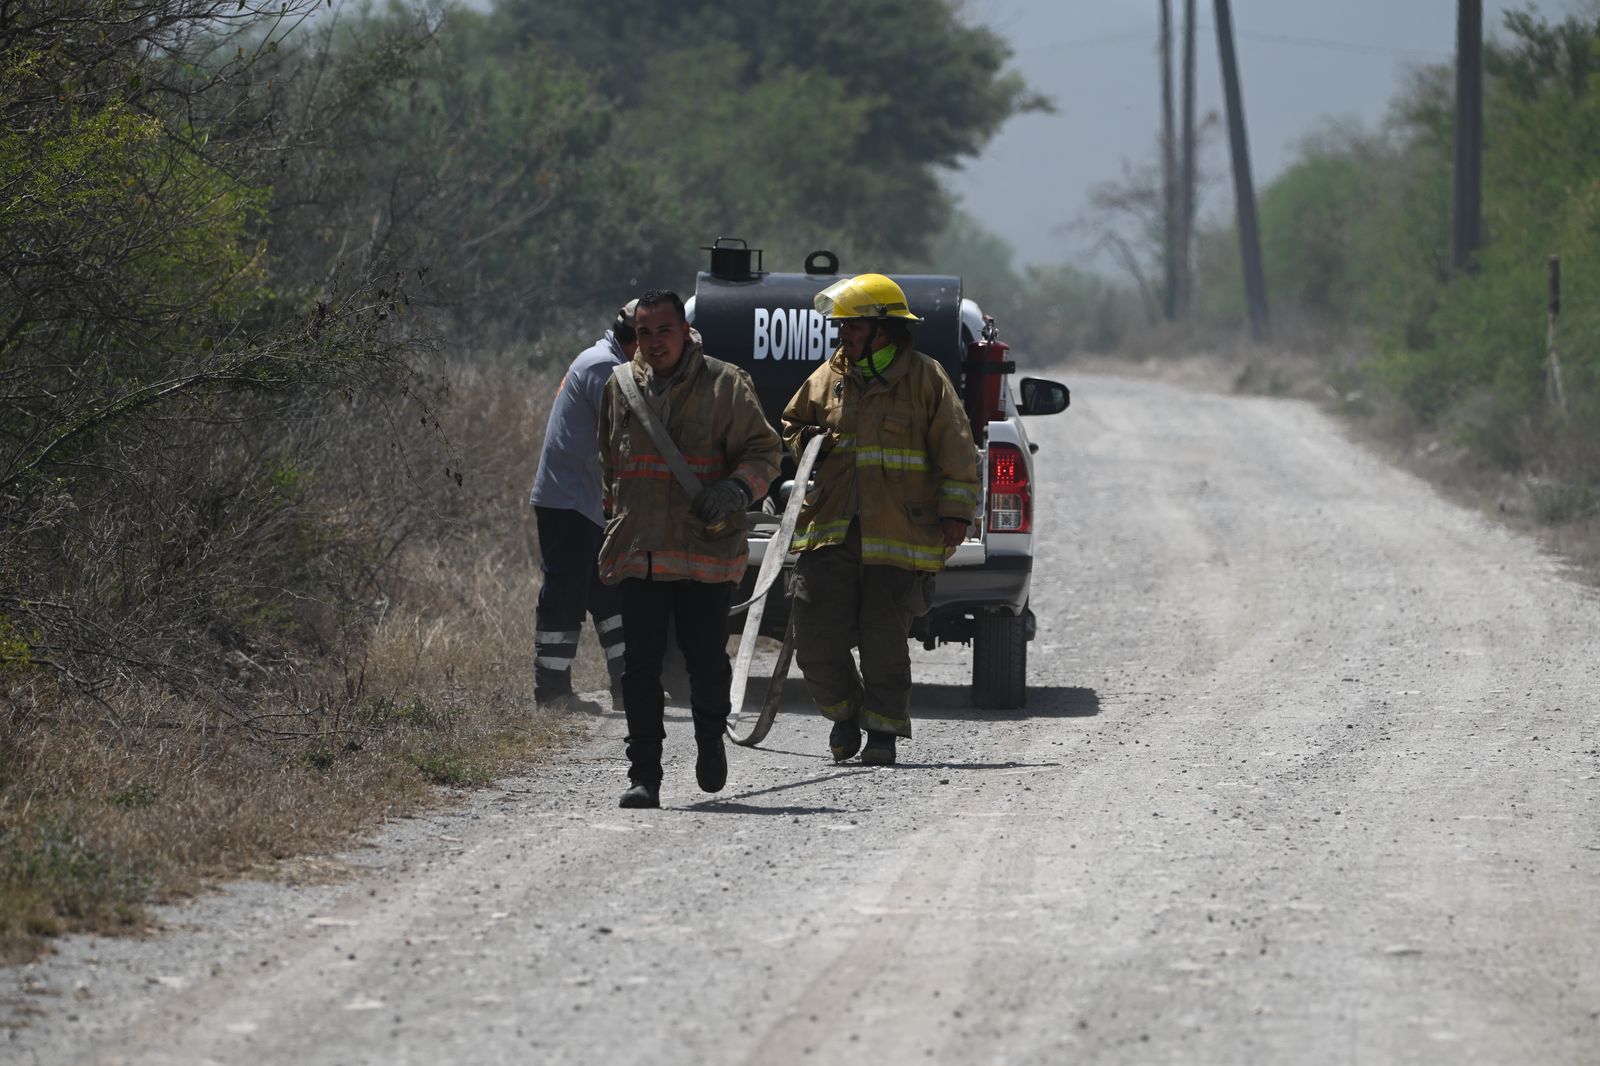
{"x":1169,"y":172}
{"x":1255,"y":285}
{"x":1187,"y":194}
{"x":1466,"y":231}
{"x":1558,"y":392}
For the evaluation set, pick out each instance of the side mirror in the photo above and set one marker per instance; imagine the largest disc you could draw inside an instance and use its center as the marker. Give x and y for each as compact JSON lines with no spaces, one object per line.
{"x":1041,"y":396}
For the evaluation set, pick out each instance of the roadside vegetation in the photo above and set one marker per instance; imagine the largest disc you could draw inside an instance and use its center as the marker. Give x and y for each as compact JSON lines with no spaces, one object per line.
{"x":1453,"y":374}
{"x":284,"y":292}
{"x":1465,"y":376}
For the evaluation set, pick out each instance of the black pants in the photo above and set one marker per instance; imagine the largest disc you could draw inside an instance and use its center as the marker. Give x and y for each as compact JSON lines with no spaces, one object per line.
{"x":570,"y":548}
{"x":699,"y":613}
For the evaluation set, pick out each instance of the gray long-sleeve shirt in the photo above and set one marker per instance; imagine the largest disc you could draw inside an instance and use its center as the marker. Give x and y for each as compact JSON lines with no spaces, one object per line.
{"x":569,"y":463}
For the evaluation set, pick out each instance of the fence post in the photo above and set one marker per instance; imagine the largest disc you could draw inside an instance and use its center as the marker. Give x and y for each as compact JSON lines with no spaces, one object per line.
{"x":1557,"y":392}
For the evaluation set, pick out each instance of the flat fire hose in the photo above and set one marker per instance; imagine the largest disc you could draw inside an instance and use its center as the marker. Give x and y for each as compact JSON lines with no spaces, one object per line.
{"x":771,"y":567}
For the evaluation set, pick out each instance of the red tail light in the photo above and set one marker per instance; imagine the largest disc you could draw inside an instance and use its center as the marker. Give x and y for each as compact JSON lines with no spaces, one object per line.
{"x":1010,"y":502}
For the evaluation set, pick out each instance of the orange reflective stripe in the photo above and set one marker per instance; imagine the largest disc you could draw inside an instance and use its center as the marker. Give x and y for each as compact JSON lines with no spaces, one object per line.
{"x":653,"y":466}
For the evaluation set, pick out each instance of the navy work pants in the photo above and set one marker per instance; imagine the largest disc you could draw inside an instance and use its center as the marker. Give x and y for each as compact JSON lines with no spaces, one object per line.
{"x":569,"y":546}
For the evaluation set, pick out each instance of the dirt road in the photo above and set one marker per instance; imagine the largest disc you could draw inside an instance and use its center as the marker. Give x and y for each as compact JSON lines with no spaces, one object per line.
{"x":1310,"y":772}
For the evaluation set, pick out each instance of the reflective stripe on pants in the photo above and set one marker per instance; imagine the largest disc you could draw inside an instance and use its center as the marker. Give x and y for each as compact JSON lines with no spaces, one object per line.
{"x":569,"y":547}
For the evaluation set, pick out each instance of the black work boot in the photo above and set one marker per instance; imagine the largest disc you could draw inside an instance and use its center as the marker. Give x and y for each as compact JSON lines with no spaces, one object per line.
{"x":711,"y":764}
{"x":641,"y":794}
{"x":844,"y":739}
{"x":879,"y":750}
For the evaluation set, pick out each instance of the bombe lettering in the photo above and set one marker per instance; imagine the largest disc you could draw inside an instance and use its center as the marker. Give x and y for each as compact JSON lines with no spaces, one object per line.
{"x":793,"y":333}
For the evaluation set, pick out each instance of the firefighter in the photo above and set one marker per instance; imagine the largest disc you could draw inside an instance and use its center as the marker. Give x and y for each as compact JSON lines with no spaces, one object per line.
{"x":677,"y":556}
{"x":566,"y":501}
{"x":892,"y":496}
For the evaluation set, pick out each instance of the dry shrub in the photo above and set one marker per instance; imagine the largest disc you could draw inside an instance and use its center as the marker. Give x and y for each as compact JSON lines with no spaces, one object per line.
{"x":1298,"y":362}
{"x":359,"y":630}
{"x":464,"y":605}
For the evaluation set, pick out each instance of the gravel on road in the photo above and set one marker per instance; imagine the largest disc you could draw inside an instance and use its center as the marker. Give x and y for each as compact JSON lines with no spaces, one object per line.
{"x":1309,"y":772}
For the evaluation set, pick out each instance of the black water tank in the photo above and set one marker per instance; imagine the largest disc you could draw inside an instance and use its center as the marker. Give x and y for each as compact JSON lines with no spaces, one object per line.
{"x":768,"y":324}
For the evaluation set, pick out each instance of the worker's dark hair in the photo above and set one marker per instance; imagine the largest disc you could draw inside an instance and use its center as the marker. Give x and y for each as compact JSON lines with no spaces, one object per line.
{"x":657,"y":297}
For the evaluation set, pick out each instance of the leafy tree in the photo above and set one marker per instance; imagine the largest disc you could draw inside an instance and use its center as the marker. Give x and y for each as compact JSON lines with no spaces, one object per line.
{"x":901,"y":88}
{"x":1482,"y":359}
{"x":138,"y":326}
{"x":1358,"y":230}
{"x":745,"y":160}
{"x":494,"y":172}
{"x":536,"y":166}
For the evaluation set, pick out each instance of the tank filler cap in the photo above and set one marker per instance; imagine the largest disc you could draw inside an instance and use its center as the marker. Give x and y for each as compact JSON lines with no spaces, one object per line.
{"x":730,"y":259}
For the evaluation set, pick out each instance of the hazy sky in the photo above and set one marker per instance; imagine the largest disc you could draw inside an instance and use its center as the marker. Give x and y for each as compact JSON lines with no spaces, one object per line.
{"x":1299,"y":62}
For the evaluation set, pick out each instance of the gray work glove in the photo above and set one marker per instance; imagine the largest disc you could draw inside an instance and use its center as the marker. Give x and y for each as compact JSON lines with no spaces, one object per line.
{"x":719,"y":500}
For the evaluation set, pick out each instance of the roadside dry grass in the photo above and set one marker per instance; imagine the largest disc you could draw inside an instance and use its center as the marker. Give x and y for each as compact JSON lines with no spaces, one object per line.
{"x":1328,"y":372}
{"x":1564,"y":520}
{"x":139,"y":794}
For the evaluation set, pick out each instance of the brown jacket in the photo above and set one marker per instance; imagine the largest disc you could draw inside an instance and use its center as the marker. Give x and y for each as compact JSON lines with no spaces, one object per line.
{"x":905,"y":459}
{"x":715,"y":419}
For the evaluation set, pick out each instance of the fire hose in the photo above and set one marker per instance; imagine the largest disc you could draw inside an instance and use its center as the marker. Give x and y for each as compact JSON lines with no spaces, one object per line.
{"x":743,"y":728}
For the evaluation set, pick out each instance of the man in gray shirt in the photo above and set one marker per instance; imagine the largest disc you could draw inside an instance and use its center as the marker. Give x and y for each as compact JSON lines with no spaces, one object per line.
{"x":566,"y":502}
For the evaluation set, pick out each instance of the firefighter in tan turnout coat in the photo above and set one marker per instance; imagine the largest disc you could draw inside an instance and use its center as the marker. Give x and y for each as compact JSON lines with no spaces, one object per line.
{"x":892,"y":496}
{"x":679,"y":556}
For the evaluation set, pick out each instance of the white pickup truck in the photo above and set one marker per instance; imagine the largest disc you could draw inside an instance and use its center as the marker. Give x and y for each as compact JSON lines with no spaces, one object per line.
{"x":766,"y":323}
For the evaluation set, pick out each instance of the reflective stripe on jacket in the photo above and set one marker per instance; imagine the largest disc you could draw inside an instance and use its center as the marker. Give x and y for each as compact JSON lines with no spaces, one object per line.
{"x":715,"y":419}
{"x":905,"y":459}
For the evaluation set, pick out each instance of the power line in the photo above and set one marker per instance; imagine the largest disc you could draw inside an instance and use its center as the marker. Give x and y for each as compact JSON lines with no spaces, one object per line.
{"x":1143,"y":36}
{"x":1140,"y":35}
{"x":1339,"y":46}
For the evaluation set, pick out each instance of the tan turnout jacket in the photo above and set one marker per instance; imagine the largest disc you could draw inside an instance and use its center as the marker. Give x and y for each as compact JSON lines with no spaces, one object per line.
{"x":715,"y":419}
{"x":904,"y":461}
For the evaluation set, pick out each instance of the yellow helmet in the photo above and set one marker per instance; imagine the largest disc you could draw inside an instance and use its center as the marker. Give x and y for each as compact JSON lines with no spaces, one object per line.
{"x":864,"y":296}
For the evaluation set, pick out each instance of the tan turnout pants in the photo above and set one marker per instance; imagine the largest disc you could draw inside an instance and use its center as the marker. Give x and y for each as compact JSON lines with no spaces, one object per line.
{"x":841,"y":603}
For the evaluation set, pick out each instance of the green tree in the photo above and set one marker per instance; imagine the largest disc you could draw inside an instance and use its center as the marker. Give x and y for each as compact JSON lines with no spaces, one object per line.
{"x":1481,"y":360}
{"x":902,"y":88}
{"x":744,"y":160}
{"x":138,"y":322}
{"x":493,"y":171}
{"x":1358,"y":231}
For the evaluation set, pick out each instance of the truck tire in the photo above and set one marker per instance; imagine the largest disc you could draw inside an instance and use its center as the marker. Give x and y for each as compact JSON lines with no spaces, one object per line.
{"x":1000,"y":661}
